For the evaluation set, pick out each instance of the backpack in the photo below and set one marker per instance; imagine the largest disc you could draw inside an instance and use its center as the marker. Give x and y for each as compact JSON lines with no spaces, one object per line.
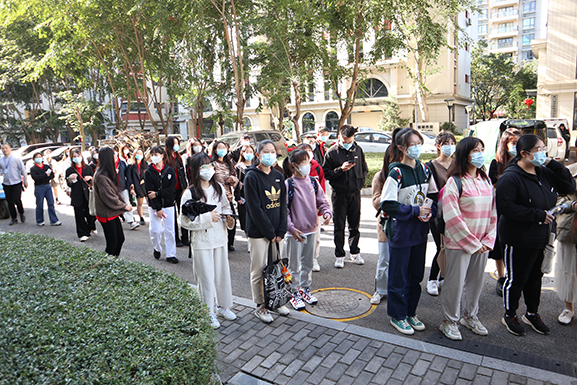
{"x":439,"y":220}
{"x":291,"y":189}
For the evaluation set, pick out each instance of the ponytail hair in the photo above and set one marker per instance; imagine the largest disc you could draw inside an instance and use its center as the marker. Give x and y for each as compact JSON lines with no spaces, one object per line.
{"x":296,"y":156}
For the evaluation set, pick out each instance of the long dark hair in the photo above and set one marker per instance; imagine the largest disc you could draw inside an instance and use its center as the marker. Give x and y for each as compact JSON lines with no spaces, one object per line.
{"x":78,"y":152}
{"x":524,"y":143}
{"x":107,"y":166}
{"x":169,"y":156}
{"x":197,"y":191}
{"x":502,"y":156}
{"x":460,"y":163}
{"x":296,"y":156}
{"x":226,"y":158}
{"x":401,"y":138}
{"x":391,"y":156}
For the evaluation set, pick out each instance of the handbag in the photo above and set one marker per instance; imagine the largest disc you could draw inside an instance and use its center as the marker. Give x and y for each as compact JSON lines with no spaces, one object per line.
{"x":276,"y":280}
{"x":91,"y":202}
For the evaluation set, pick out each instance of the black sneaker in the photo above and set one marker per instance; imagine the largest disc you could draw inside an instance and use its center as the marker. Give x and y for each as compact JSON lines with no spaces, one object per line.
{"x":13,"y":222}
{"x":535,"y":322}
{"x":179,"y":244}
{"x":172,"y":260}
{"x":22,"y":218}
{"x":231,"y":248}
{"x":499,"y":287}
{"x":142,"y":223}
{"x":156,"y":254}
{"x":513,"y":325}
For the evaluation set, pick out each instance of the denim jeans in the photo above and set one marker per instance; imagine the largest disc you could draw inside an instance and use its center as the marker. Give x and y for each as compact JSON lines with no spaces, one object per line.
{"x":41,"y":192}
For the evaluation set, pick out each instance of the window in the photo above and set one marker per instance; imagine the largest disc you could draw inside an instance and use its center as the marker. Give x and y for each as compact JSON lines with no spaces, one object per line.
{"x":327,"y":90}
{"x":529,"y":22}
{"x":505,"y":43}
{"x":483,"y":29}
{"x":372,"y":88}
{"x":259,"y":137}
{"x":275,"y":137}
{"x":483,"y":14}
{"x":505,"y":27}
{"x":466,"y":78}
{"x":529,"y":7}
{"x":247,"y":123}
{"x":311,"y":92}
{"x":527,"y":38}
{"x":528,"y":55}
{"x":381,"y":138}
{"x":332,"y":121}
{"x":308,"y":122}
{"x":363,"y":137}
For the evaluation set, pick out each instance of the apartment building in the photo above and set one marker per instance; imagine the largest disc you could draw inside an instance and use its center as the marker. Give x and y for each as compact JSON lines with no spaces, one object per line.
{"x":509,"y":26}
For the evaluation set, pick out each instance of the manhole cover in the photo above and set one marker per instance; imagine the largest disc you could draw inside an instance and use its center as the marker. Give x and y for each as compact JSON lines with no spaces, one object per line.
{"x":341,"y":304}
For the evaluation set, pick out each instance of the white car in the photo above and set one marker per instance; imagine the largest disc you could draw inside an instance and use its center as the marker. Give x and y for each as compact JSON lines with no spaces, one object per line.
{"x":428,"y":142}
{"x":556,"y":145}
{"x":373,"y":141}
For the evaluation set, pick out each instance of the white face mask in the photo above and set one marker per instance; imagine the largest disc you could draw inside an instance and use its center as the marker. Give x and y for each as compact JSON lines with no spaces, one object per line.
{"x":197,"y":149}
{"x":95,"y":156}
{"x":305,"y":170}
{"x":206,"y":173}
{"x":156,"y":158}
{"x":311,"y":155}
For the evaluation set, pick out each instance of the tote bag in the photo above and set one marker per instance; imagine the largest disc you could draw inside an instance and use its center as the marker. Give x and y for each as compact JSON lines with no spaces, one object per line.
{"x":276,"y":280}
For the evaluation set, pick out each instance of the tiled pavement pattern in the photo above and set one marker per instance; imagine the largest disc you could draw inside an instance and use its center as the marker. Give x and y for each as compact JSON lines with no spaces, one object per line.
{"x":304,"y":349}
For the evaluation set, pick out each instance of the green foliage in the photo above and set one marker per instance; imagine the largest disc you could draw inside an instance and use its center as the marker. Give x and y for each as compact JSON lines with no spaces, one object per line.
{"x":525,"y":79}
{"x":75,"y":315}
{"x":445,"y":127}
{"x":391,"y":116}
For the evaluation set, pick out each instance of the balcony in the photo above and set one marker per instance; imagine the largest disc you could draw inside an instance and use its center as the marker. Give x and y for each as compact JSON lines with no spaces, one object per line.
{"x":504,"y":47}
{"x":502,"y":3}
{"x":504,"y":32}
{"x":505,"y":15}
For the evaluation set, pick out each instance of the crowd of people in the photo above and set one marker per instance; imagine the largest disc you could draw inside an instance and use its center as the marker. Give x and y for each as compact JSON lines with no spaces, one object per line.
{"x":473,"y":215}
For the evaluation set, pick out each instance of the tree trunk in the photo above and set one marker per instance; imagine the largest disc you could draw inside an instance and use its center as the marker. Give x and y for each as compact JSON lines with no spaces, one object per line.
{"x":78,"y":116}
{"x":352,"y":91}
{"x":295,"y":117}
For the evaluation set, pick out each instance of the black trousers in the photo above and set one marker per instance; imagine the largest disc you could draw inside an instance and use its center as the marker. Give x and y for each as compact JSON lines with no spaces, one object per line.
{"x":84,"y":221}
{"x":523,"y":270}
{"x":14,"y":198}
{"x":232,"y":232}
{"x":346,"y":208}
{"x":435,"y":269}
{"x":114,"y":236}
{"x":178,"y":230}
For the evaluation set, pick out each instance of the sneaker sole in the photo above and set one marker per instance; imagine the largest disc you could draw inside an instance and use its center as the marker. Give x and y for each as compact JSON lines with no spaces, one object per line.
{"x":511,"y":331}
{"x":477,"y":332}
{"x":406,"y":332}
{"x":526,"y":321}
{"x":262,"y":320}
{"x":418,"y":328}
{"x":298,"y":308}
{"x":454,"y":338}
{"x":433,"y":293}
{"x":226,"y":318}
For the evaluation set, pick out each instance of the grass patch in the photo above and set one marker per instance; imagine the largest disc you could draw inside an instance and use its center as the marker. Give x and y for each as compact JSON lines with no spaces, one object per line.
{"x":73,"y":315}
{"x":375,"y":164}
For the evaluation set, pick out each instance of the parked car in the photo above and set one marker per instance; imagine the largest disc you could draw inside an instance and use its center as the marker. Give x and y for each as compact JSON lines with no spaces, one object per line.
{"x":29,"y":162}
{"x":428,"y":142}
{"x":25,"y":150}
{"x":373,"y":141}
{"x":556,"y":145}
{"x":364,"y":129}
{"x":257,"y":136}
{"x":333,"y":136}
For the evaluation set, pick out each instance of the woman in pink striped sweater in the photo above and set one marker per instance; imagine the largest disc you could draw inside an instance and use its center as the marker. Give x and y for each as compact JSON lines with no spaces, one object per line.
{"x":470,"y":218}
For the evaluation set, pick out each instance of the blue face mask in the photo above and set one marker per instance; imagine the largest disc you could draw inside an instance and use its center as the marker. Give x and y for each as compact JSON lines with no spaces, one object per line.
{"x":38,"y":160}
{"x":414,"y":152}
{"x":448,"y":149}
{"x":512,"y":150}
{"x":268,"y":159}
{"x":347,"y":146}
{"x":478,"y":159}
{"x":248,"y":157}
{"x":77,"y":159}
{"x":221,"y":152}
{"x":176,"y":147}
{"x":138,"y":157}
{"x":539,"y":158}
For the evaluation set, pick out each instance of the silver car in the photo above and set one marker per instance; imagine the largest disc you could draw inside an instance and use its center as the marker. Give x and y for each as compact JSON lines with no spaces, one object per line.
{"x":373,"y":141}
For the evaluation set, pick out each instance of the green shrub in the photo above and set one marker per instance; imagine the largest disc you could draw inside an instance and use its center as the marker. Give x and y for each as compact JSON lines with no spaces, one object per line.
{"x":375,"y":164}
{"x":73,"y":315}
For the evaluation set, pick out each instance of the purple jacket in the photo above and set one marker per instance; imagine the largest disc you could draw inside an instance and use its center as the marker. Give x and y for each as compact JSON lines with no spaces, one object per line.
{"x":305,"y":206}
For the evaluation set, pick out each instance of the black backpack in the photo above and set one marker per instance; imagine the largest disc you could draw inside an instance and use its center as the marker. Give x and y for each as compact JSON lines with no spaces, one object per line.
{"x":291,"y":189}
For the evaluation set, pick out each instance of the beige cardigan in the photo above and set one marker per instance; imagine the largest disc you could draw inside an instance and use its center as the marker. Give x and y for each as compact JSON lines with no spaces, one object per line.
{"x":377,"y":187}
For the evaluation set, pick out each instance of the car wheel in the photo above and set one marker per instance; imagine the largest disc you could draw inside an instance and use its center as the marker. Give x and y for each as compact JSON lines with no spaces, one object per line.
{"x":4,"y":212}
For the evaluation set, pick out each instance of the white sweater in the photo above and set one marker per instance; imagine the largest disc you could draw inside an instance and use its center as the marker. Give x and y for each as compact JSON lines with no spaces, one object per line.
{"x":206,"y":234}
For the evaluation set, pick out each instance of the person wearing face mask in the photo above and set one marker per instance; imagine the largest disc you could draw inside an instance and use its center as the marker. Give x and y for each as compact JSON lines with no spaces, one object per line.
{"x":244,"y":162}
{"x":408,"y":201}
{"x":446,"y":144}
{"x":94,"y":155}
{"x":470,"y":218}
{"x":136,"y":173}
{"x":235,"y":154}
{"x":266,"y":220}
{"x":125,"y":154}
{"x":173,"y":159}
{"x":42,"y":175}
{"x":208,"y":239}
{"x":79,"y":179}
{"x":320,"y":149}
{"x":346,"y":170}
{"x":125,"y":182}
{"x":160,"y":183}
{"x":528,"y":188}
{"x":305,"y":201}
{"x":225,"y":170}
{"x":506,"y":151}
{"x":54,"y":166}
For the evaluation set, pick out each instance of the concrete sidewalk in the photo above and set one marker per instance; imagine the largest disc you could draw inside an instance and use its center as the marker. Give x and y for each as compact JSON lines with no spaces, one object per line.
{"x":304,"y":349}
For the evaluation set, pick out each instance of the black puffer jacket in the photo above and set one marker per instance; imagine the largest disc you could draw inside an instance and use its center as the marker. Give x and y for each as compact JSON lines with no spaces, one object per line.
{"x":163,"y":183}
{"x":351,"y":181}
{"x":523,"y":199}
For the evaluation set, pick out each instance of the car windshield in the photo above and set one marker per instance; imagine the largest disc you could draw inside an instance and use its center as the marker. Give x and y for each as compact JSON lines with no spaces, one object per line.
{"x":230,"y":140}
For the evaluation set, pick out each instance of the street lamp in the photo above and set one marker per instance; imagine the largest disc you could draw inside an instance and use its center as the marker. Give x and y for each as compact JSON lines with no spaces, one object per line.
{"x":468,"y":108}
{"x":450,"y":102}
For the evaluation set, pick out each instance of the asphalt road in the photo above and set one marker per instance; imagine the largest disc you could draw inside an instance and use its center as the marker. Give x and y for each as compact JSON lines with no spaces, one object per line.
{"x":558,"y":346}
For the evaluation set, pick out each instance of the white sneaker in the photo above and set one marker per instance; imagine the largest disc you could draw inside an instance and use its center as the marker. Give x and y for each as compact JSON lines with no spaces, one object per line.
{"x":451,"y":330}
{"x":94,"y":232}
{"x":433,"y":287}
{"x":565,"y":317}
{"x":316,"y":266}
{"x":225,"y":313}
{"x":474,"y":324}
{"x":214,"y":322}
{"x":57,"y":223}
{"x":134,"y":225}
{"x":262,"y":314}
{"x":357,"y":259}
{"x":340,"y":263}
{"x":283,"y":310}
{"x":376,"y":298}
{"x":83,"y":238}
{"x":297,"y":302}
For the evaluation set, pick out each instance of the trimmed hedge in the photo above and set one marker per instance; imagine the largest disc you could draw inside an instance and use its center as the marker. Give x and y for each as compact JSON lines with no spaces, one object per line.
{"x":73,"y":315}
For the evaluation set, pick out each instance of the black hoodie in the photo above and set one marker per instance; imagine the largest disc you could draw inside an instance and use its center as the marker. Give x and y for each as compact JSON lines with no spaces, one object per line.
{"x":163,"y":183}
{"x":523,"y":199}
{"x":266,"y":207}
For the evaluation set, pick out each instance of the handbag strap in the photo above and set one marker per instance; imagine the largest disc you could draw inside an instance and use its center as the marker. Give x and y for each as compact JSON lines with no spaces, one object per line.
{"x":270,"y":250}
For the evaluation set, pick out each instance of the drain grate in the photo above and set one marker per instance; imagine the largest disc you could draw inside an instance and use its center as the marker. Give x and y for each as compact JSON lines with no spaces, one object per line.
{"x":341,"y":304}
{"x":505,"y":354}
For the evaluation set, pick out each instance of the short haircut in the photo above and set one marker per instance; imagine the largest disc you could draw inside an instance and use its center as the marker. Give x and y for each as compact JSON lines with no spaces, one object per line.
{"x":348,"y":131}
{"x":323,"y":129}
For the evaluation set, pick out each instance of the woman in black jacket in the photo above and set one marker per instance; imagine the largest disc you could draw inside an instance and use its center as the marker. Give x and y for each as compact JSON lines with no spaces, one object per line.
{"x":79,"y":179}
{"x":159,"y":181}
{"x":136,"y":177}
{"x":173,"y":159}
{"x":526,"y":190}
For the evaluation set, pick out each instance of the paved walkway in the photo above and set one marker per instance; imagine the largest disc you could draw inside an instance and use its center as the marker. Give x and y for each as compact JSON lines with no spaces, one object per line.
{"x":304,"y":349}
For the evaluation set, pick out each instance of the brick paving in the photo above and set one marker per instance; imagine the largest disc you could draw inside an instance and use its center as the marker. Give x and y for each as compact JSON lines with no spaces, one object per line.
{"x":304,"y":349}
